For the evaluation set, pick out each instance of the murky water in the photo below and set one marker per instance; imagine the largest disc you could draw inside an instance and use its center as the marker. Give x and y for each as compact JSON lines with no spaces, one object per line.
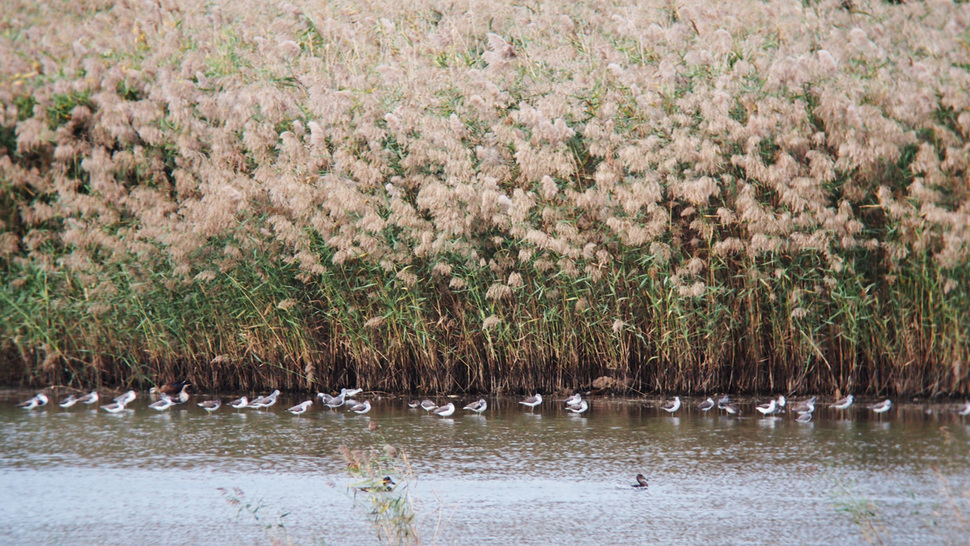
{"x":509,"y":476}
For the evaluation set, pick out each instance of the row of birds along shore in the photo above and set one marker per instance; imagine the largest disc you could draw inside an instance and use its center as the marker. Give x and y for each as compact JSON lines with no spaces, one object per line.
{"x":173,"y":394}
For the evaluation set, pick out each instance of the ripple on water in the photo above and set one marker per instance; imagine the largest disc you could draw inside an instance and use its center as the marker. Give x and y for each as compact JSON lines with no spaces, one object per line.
{"x":548,"y":476}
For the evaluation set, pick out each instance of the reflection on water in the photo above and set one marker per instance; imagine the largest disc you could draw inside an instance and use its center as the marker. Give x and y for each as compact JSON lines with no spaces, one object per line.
{"x":508,"y":475}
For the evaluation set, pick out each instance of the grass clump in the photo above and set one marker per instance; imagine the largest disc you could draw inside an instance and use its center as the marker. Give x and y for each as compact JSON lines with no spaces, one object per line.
{"x":382,"y":482}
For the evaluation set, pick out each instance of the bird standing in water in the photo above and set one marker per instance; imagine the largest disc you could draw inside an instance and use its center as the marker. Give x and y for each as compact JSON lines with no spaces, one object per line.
{"x":210,"y":405}
{"x":477,"y":407}
{"x":38,"y":401}
{"x":444,"y":411}
{"x":671,"y":405}
{"x":300,"y":408}
{"x":532,"y":401}
{"x":843,"y":403}
{"x":581,"y":407}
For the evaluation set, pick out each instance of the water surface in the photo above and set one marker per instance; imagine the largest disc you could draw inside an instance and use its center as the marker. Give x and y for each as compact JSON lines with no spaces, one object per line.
{"x":508,"y":476}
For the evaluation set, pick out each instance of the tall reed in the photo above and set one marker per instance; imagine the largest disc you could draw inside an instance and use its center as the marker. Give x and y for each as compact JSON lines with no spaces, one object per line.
{"x":486,"y":196}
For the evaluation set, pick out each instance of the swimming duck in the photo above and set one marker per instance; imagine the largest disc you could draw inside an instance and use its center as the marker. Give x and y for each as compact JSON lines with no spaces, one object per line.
{"x":386,"y":485}
{"x":182,"y":396}
{"x":641,"y":482}
{"x":170,"y":389}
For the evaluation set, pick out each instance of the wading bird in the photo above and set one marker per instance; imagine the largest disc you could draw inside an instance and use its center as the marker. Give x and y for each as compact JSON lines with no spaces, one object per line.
{"x":163,"y":403}
{"x":334,"y":402}
{"x":300,"y":408}
{"x":90,"y":398}
{"x":805,"y":406}
{"x":210,"y":405}
{"x":444,"y":411}
{"x":706,"y":405}
{"x":428,"y":405}
{"x":240,"y":403}
{"x":581,"y":407}
{"x":126,"y":398}
{"x":361,"y":408}
{"x":265,"y":401}
{"x":68,"y":402}
{"x":477,"y":407}
{"x":768,"y":408}
{"x":843,"y":403}
{"x":882,"y":407}
{"x":113,"y":407}
{"x":671,"y":405}
{"x":39,"y":400}
{"x":532,"y":401}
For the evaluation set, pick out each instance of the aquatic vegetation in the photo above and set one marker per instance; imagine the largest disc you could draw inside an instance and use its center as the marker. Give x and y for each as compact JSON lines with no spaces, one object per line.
{"x":382,"y":481}
{"x":486,"y":196}
{"x":276,"y":532}
{"x":861,"y":510}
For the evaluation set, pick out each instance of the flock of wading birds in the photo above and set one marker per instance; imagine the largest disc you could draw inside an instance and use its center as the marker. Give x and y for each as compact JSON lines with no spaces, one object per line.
{"x":172,"y":394}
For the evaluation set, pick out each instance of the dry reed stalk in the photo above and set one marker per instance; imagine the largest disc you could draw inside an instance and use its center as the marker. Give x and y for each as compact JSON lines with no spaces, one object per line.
{"x":764,"y":197}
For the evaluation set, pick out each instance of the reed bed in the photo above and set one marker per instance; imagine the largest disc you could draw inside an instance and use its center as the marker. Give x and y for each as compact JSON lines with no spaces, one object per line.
{"x":486,"y":195}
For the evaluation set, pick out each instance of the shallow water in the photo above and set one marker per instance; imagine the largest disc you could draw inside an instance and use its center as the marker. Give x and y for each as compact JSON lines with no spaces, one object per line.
{"x":508,"y":476}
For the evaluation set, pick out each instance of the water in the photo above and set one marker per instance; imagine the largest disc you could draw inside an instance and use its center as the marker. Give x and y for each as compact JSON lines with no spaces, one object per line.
{"x":510,"y":476}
